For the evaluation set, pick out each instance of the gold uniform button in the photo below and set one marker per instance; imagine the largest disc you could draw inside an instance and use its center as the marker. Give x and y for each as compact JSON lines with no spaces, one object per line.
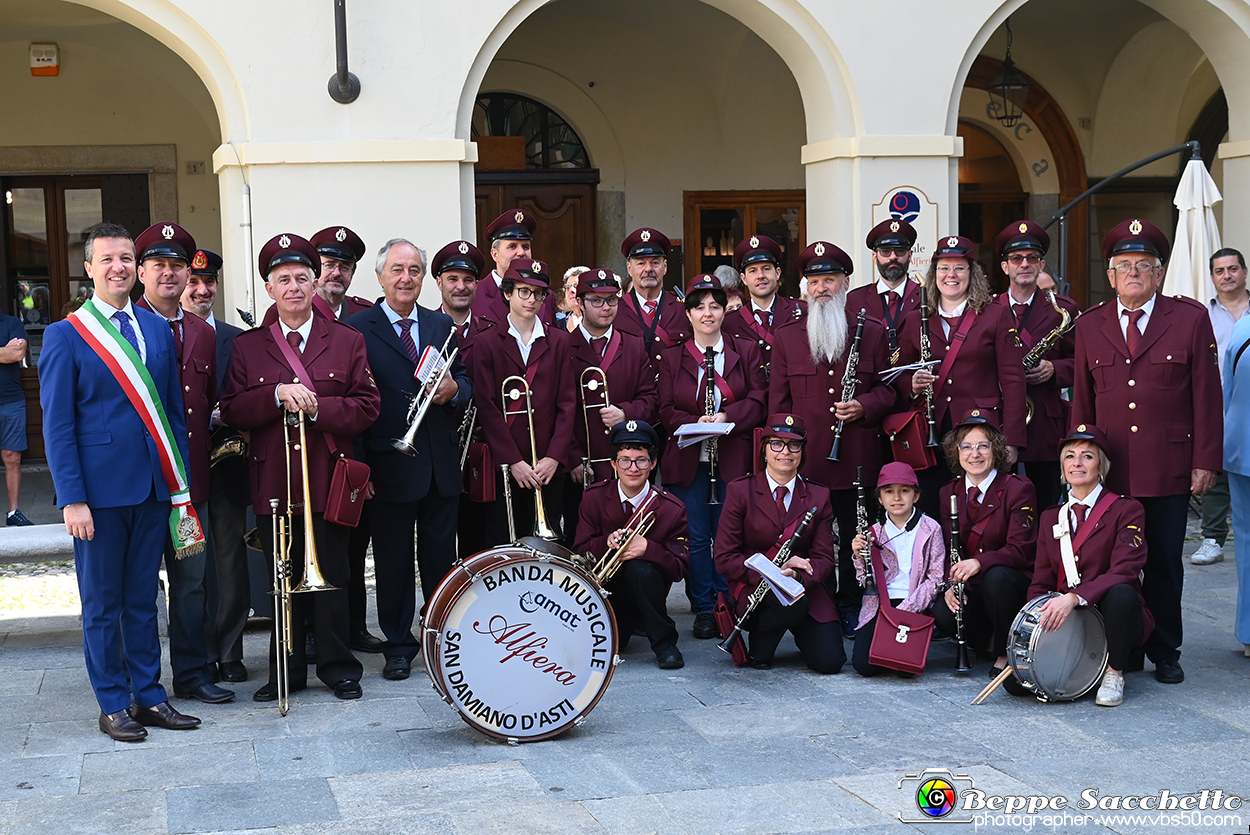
{"x":1127,"y":362}
{"x":831,"y":391}
{"x":189,"y":411}
{"x":830,"y":372}
{"x":188,"y":434}
{"x":834,"y":428}
{"x":1132,"y":382}
{"x":262,"y":379}
{"x":331,"y":373}
{"x":948,"y":399}
{"x":296,"y":380}
{"x":1132,"y":405}
{"x":1132,"y":429}
{"x":1169,"y":356}
{"x":188,"y":388}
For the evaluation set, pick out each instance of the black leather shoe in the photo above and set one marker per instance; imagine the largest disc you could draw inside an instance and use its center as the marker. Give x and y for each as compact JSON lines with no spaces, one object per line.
{"x":269,"y":693}
{"x":121,"y":727}
{"x":705,"y":626}
{"x":397,"y":668}
{"x":232,"y":671}
{"x":362,"y":641}
{"x":761,"y":664}
{"x":347,"y":689}
{"x":670,"y":659}
{"x":209,"y":694}
{"x":1169,"y":672}
{"x":164,"y":716}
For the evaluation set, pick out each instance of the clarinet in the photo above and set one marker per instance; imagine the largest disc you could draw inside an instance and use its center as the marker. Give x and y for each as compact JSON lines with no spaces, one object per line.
{"x":926,"y":355}
{"x":849,"y":381}
{"x":863,"y":529}
{"x":761,"y":591}
{"x":962,"y":663}
{"x":709,"y":409}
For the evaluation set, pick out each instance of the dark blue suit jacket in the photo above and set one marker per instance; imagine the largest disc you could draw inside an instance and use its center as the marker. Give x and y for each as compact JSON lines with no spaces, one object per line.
{"x":436,"y":466}
{"x":94,"y":438}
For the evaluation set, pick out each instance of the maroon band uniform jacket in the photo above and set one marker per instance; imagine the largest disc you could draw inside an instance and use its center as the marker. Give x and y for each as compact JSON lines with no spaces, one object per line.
{"x":749,"y":524}
{"x":348,"y":402}
{"x":1050,"y":411}
{"x":668,"y":541}
{"x":1002,"y":527}
{"x":869,"y":299}
{"x":673,"y":325}
{"x":743,"y":324}
{"x":631,"y":388}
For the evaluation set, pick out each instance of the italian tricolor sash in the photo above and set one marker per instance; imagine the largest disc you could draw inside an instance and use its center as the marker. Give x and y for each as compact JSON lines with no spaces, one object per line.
{"x":127,"y":368}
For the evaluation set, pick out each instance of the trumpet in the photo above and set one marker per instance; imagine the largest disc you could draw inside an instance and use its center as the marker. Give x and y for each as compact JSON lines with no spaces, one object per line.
{"x":283,"y":531}
{"x":591,"y":381}
{"x":424,"y":397}
{"x":542,"y":528}
{"x":638,"y":525}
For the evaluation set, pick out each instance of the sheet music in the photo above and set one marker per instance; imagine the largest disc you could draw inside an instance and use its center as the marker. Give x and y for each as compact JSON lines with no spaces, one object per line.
{"x":787,"y":589}
{"x":690,"y":434}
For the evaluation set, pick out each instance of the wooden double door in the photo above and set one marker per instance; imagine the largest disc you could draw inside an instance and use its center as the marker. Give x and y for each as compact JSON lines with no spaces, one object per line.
{"x":562,"y":201}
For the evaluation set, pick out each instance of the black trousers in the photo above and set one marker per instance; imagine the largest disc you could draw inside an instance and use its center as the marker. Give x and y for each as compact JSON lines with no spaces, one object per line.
{"x":992,"y":605}
{"x":1122,"y":617}
{"x":394,"y":549}
{"x":849,"y":592}
{"x":639,"y":592}
{"x":357,"y":549}
{"x":1046,"y":481}
{"x":326,"y":610}
{"x":1164,"y":575}
{"x":496,"y":519}
{"x":863,"y":647}
{"x":820,"y":644}
{"x":570,"y":508}
{"x":931,"y":481}
{"x":471,"y":527}
{"x":227,"y":581}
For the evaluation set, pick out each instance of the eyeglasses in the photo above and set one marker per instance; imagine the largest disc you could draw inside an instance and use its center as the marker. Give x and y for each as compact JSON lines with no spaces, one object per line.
{"x":1016,"y":259}
{"x":1140,"y":267}
{"x":778,"y":444}
{"x":634,"y":463}
{"x":896,"y":251}
{"x":527,"y":293}
{"x":600,"y":301}
{"x":981,"y":447}
{"x":957,"y":269}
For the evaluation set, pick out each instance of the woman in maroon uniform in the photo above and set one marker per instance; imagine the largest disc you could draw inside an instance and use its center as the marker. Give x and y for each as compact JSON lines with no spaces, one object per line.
{"x":1104,"y":536}
{"x":700,"y":472}
{"x":997,"y":537}
{"x":981,"y":358}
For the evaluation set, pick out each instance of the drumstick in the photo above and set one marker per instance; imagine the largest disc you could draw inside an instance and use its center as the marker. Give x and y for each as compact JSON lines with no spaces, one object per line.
{"x":993,"y":685}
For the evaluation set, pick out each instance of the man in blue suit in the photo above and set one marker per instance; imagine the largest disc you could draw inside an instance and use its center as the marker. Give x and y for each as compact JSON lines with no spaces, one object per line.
{"x":108,"y":475}
{"x":229,"y":493}
{"x":421,"y":488}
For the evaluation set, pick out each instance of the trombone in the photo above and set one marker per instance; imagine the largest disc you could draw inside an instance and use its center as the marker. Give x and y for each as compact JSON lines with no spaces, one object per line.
{"x":283,"y":532}
{"x":424,"y":397}
{"x":638,"y":525}
{"x":591,"y":381}
{"x":542,"y":529}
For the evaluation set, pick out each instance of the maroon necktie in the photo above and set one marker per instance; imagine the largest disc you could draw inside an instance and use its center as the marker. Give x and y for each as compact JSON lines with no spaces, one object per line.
{"x":599,"y":344}
{"x":1081,"y":511}
{"x":1131,"y":334}
{"x":295,"y":339}
{"x":973,"y":493}
{"x":173,"y":324}
{"x":628,"y":507}
{"x":765,"y":318}
{"x":1019,"y":310}
{"x":895,"y":300}
{"x":780,"y":496}
{"x":405,"y":339}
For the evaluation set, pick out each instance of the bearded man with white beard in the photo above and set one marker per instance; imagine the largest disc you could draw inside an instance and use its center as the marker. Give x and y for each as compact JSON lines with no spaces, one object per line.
{"x":808,"y":366}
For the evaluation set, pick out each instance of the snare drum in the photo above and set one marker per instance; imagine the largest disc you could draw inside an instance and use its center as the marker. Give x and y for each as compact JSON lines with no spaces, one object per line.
{"x":1062,"y":665}
{"x":521,"y":642}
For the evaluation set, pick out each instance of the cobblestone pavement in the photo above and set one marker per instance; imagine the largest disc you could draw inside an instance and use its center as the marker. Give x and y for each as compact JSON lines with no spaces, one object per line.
{"x":706,"y":749}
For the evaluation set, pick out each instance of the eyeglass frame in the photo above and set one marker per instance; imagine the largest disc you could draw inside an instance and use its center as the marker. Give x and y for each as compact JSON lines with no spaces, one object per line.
{"x":790,"y":445}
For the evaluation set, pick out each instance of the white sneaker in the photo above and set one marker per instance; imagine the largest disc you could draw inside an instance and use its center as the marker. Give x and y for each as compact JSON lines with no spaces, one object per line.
{"x":1208,"y":552}
{"x":1111,"y":691}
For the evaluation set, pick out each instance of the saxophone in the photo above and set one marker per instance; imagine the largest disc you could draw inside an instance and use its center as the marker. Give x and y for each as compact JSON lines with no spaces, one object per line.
{"x":1034,"y":357}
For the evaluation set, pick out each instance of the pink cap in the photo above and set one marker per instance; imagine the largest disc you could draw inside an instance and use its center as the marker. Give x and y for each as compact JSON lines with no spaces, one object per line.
{"x":896,"y":472}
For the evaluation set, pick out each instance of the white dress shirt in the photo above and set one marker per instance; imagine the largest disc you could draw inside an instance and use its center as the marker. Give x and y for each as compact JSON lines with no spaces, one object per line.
{"x":108,"y":310}
{"x":521,"y":343}
{"x":1148,"y":307}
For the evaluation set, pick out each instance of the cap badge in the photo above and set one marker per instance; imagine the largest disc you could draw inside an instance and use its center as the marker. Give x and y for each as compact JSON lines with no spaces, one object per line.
{"x":340,"y":235}
{"x":645,"y":235}
{"x":632,"y":426}
{"x":976,"y":413}
{"x":1135,"y":227}
{"x":602,"y":274}
{"x":820,"y":250}
{"x":952,"y":241}
{"x":754,"y":241}
{"x":894,"y":226}
{"x":200,"y":261}
{"x":1081,"y":428}
{"x":464,"y":248}
{"x":1024,"y":227}
{"x":519,"y":217}
{"x":167,"y":231}
{"x":537,"y":266}
{"x":284,"y":241}
{"x":789,"y":420}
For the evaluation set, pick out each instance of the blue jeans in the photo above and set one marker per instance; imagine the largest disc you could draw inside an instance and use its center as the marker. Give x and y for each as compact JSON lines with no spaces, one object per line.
{"x":703,"y":582}
{"x":1240,"y":485}
{"x":188,"y":602}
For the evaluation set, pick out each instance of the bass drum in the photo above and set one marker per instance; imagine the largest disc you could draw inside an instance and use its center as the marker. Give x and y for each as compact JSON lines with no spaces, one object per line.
{"x":522,"y":643}
{"x":1062,"y":665}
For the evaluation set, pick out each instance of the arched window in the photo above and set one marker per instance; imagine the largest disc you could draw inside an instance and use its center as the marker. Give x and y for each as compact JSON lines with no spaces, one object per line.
{"x":549,"y":141}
